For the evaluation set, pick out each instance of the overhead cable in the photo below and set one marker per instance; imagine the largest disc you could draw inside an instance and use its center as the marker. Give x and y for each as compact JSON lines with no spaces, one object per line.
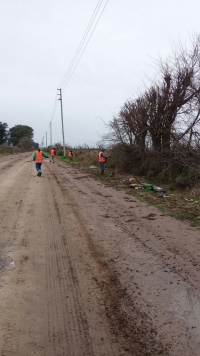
{"x":82,"y":41}
{"x":54,"y":109}
{"x":70,"y":75}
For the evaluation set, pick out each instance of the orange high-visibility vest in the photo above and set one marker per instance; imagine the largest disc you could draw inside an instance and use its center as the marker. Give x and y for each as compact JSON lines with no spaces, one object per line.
{"x":101,"y":159}
{"x":70,"y":154}
{"x":52,"y":152}
{"x":39,"y":157}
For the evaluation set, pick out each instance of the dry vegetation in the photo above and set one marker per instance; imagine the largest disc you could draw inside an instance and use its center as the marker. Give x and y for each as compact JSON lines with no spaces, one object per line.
{"x":183,"y":204}
{"x":7,"y":150}
{"x":157,"y":134}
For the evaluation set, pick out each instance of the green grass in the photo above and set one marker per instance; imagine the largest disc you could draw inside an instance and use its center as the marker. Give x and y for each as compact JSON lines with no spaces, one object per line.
{"x":159,"y":207}
{"x":178,"y":216}
{"x":8,"y":152}
{"x":66,"y":160}
{"x":140,"y":198}
{"x":195,"y":221}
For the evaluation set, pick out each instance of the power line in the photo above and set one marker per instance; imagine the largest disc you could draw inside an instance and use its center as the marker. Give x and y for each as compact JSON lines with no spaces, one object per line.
{"x":54,"y":108}
{"x":82,"y":41}
{"x":86,"y":45}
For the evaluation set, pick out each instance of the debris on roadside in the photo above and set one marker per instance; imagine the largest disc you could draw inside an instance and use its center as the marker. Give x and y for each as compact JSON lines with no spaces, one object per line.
{"x":156,"y":189}
{"x":148,"y":186}
{"x":159,"y":189}
{"x":136,"y":186}
{"x":93,"y":167}
{"x":139,"y":183}
{"x":111,"y":174}
{"x":134,"y":180}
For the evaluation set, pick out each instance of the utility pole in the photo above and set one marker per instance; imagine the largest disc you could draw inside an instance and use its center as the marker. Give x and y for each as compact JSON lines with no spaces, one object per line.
{"x":50,"y":134}
{"x":63,"y":134}
{"x":46,"y":140}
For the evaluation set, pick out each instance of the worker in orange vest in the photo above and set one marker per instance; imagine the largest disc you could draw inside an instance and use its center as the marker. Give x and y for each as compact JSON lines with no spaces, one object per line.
{"x":102,"y":160}
{"x":70,"y":155}
{"x":38,"y":157}
{"x":53,"y":154}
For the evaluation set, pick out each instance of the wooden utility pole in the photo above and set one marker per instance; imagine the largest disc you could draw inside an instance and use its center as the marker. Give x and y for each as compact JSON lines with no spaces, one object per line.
{"x":50,"y":135}
{"x":63,"y":134}
{"x":46,"y":140}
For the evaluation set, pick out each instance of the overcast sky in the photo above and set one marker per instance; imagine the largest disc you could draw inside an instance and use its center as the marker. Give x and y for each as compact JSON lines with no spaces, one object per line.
{"x":39,"y":39}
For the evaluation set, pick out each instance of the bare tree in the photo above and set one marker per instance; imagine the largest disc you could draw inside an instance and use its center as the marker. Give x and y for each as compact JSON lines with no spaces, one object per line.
{"x":160,"y":130}
{"x":25,"y":144}
{"x":175,"y":97}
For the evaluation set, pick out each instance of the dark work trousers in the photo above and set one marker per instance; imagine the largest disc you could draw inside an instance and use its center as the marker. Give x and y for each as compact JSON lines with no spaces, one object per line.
{"x":38,"y":166}
{"x":102,"y":166}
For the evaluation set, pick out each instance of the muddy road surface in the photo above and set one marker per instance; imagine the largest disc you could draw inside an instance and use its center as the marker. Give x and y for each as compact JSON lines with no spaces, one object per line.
{"x":86,"y":270}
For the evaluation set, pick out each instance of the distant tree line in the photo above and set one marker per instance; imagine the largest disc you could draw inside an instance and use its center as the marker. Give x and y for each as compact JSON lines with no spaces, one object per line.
{"x":158,"y":132}
{"x":20,"y":136}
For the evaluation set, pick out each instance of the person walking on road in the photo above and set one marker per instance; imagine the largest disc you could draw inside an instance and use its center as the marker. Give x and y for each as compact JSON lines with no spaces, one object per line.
{"x":53,"y":154}
{"x":102,"y":160}
{"x":38,"y":157}
{"x":70,"y":155}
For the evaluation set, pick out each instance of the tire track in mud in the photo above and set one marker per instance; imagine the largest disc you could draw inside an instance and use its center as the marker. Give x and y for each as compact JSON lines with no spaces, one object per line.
{"x":61,"y":275}
{"x":159,"y":250}
{"x":62,"y":304}
{"x":63,"y":316}
{"x":78,"y":321}
{"x":127,"y":322}
{"x":148,"y":253}
{"x":44,"y":302}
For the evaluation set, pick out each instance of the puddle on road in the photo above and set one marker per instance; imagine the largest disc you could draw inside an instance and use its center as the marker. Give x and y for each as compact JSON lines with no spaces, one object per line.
{"x":186,"y":304}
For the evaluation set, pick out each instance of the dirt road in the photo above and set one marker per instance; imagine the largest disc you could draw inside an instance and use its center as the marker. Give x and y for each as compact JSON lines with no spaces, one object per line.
{"x":86,"y":270}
